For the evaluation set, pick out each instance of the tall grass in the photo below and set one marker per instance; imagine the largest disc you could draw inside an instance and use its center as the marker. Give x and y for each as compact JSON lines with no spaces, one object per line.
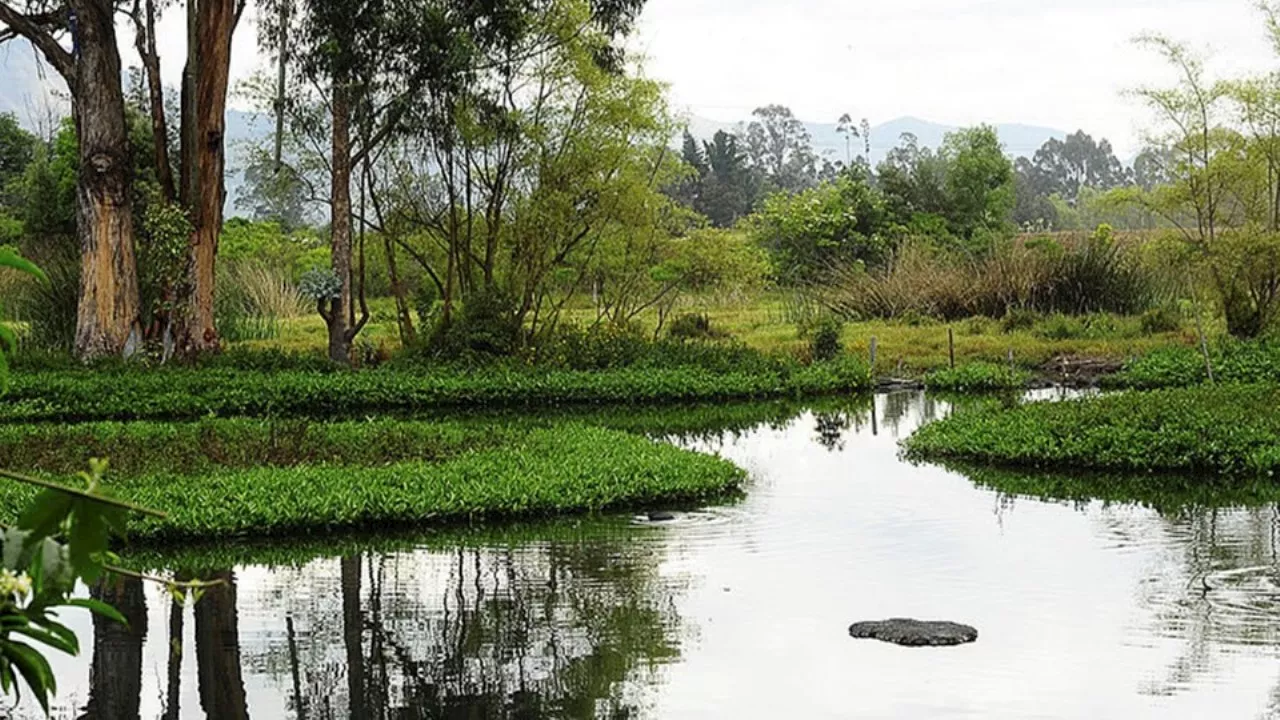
{"x":252,"y":299}
{"x":1072,"y":274}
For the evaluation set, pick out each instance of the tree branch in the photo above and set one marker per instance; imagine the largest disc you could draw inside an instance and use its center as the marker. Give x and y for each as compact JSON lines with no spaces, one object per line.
{"x":36,"y":29}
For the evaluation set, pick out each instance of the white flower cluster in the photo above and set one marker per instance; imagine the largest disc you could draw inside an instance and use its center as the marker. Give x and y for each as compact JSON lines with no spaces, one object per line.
{"x":17,"y":585}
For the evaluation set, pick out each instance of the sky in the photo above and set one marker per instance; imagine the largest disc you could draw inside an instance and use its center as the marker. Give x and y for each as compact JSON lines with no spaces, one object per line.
{"x":1059,"y":63}
{"x":1063,"y":64}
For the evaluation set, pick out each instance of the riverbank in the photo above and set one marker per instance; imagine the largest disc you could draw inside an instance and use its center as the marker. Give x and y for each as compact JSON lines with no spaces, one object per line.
{"x":540,"y":471}
{"x":1218,"y":429}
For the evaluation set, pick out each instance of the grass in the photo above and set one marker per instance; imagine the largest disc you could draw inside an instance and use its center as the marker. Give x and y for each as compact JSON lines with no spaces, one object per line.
{"x":562,"y":469}
{"x":184,"y":394}
{"x":909,"y":346}
{"x":1227,"y":429}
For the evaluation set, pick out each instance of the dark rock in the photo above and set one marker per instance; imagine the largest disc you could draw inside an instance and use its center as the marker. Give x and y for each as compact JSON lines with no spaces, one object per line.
{"x":660,"y":516}
{"x":915,"y":633}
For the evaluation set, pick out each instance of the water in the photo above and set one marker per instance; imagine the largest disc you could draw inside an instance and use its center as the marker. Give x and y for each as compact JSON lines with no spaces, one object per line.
{"x":1085,"y":610}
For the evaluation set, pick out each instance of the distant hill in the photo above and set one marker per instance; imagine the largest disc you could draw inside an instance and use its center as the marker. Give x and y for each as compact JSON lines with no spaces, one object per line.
{"x":1018,"y":139}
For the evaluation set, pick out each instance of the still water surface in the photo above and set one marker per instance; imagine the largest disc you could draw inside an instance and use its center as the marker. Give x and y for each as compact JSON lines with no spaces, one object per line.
{"x":1085,"y":610}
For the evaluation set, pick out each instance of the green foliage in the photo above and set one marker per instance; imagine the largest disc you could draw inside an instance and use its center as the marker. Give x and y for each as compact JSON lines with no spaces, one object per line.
{"x":487,"y":325}
{"x":1230,"y":429}
{"x":51,"y":542}
{"x":183,"y":393}
{"x":205,"y":445}
{"x":836,"y":222}
{"x":694,"y":326}
{"x":568,"y":468}
{"x":1160,"y":319}
{"x":1232,"y":361}
{"x":824,"y":338}
{"x":977,"y":377}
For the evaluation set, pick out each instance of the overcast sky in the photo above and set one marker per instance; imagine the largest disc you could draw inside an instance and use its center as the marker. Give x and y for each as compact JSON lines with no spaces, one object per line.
{"x":1059,"y":63}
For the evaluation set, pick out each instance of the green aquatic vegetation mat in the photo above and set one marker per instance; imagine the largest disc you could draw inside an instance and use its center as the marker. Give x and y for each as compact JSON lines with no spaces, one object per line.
{"x":188,"y":394}
{"x":1229,"y":429}
{"x":561,"y":469}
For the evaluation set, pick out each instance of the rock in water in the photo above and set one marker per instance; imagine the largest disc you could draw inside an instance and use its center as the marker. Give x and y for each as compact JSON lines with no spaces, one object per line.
{"x":915,"y":633}
{"x":660,"y":516}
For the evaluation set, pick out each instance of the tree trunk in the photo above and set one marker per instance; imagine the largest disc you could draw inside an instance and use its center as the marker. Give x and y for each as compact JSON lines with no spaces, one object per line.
{"x":146,"y":42}
{"x":204,"y":163}
{"x":408,"y":336}
{"x":107,"y":316}
{"x":218,"y":651}
{"x":340,"y":318}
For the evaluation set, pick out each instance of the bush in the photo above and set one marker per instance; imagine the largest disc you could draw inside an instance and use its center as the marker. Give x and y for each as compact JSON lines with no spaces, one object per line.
{"x":1220,"y":429}
{"x":1019,"y":319}
{"x":1160,"y":320}
{"x":484,"y":325}
{"x":824,"y":340}
{"x":694,"y":326}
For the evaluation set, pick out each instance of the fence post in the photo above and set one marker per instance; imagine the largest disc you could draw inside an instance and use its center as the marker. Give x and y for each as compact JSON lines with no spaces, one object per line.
{"x":951,"y":347}
{"x":873,"y":354}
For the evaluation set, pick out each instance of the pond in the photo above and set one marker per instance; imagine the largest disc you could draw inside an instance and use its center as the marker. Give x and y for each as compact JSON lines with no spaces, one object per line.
{"x":741,"y":610}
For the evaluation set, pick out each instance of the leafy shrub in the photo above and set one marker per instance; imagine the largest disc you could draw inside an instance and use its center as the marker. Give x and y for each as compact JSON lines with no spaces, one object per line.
{"x":1160,"y":320}
{"x":824,"y":339}
{"x":977,"y":376}
{"x":694,"y":326}
{"x":1219,"y":429}
{"x":485,"y":325}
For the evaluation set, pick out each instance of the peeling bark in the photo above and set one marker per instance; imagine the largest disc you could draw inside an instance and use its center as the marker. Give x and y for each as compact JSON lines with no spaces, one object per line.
{"x":107,"y":317}
{"x":204,"y":160}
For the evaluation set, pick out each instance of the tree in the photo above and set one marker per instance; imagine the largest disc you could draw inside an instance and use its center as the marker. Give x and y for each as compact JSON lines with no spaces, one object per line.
{"x":913,"y":180}
{"x":274,"y":193}
{"x":107,"y":318}
{"x":17,"y":149}
{"x":780,"y":149}
{"x":1224,"y":195}
{"x":729,"y":189}
{"x":811,"y":232}
{"x":979,"y":182}
{"x":1064,"y":167}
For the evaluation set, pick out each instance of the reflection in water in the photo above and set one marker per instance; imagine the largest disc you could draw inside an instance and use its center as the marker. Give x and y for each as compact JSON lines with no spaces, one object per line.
{"x":1162,"y":602}
{"x":116,"y":671}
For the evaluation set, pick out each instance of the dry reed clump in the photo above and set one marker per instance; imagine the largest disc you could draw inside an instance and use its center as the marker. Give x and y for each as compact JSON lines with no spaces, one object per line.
{"x":1046,"y":274}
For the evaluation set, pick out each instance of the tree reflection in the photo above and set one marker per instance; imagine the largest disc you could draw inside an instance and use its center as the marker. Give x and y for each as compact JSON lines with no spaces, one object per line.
{"x":569,"y":621}
{"x":115,"y":672}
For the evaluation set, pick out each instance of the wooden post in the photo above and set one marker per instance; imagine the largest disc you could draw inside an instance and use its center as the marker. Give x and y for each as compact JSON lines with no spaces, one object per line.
{"x":1011,"y":358}
{"x":951,"y":347}
{"x":873,"y":354}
